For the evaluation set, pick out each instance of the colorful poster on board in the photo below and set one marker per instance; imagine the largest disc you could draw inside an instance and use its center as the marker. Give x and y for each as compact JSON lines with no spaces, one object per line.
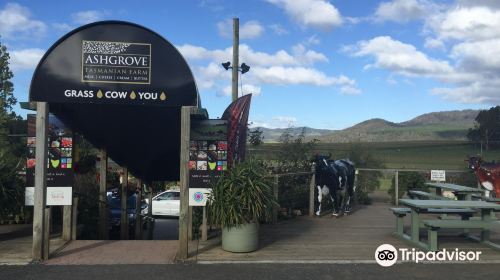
{"x":207,"y":152}
{"x":237,"y":117}
{"x":59,"y":163}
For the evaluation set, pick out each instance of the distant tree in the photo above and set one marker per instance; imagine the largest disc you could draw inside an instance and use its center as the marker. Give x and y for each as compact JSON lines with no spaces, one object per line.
{"x":255,"y":137}
{"x":487,"y":127}
{"x":7,"y":99}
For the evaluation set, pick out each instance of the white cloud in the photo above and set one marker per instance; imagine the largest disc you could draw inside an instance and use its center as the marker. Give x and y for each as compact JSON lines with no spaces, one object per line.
{"x":479,"y":92}
{"x":299,"y":56}
{"x":62,"y":27}
{"x":16,"y":22}
{"x":278,"y":29}
{"x":399,"y":57}
{"x":246,"y":89}
{"x":313,"y":40}
{"x":402,"y":11}
{"x":278,"y":75}
{"x":249,"y":30}
{"x":84,"y":17}
{"x":432,"y":43}
{"x":26,"y":59}
{"x":465,"y":23}
{"x":311,"y":13}
{"x":274,"y":122}
{"x":479,"y":55}
{"x":279,"y":68}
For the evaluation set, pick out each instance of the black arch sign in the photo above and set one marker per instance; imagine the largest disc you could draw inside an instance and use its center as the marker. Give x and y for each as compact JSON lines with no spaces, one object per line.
{"x":114,"y":62}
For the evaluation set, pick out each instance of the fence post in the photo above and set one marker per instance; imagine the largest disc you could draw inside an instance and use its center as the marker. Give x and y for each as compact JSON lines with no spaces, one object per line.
{"x":74,"y":218}
{"x":311,"y":191}
{"x":275,"y":207}
{"x":396,"y":187}
{"x":204,"y":233}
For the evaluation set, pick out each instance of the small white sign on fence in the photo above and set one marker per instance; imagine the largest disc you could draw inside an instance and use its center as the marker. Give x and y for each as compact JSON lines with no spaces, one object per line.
{"x":438,"y":175}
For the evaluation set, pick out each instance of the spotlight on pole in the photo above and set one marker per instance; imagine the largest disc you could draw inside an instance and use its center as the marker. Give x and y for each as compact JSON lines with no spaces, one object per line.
{"x":226,"y":65}
{"x":244,"y":68}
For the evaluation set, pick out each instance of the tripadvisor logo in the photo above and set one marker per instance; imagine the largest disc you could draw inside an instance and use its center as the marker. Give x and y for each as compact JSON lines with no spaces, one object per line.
{"x":387,"y":255}
{"x":116,"y":62}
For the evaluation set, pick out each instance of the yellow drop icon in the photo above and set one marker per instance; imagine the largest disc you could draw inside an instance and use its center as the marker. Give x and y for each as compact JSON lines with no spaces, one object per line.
{"x":132,"y":95}
{"x":163,"y":96}
{"x":99,"y":94}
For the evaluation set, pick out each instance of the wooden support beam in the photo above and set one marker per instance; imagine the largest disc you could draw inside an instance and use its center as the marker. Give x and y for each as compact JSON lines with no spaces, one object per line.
{"x":74,"y":218}
{"x":124,"y":215}
{"x":396,"y":188}
{"x":66,"y":231}
{"x":204,"y":230}
{"x":46,"y":234}
{"x":103,"y":209}
{"x":184,"y":183}
{"x":190,"y":228}
{"x":39,"y":225}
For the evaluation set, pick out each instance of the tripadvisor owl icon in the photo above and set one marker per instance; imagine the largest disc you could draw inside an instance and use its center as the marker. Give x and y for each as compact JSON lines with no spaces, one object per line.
{"x":386,"y":255}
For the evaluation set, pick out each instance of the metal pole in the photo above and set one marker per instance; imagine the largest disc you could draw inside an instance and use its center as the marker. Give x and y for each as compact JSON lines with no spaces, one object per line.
{"x":103,"y":221}
{"x":124,"y":213}
{"x":39,"y":238}
{"x":184,"y":183}
{"x":236,"y":43}
{"x":396,"y":187}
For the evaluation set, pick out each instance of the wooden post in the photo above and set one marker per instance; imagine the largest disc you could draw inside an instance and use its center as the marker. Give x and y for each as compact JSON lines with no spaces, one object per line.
{"x":204,"y":233}
{"x":74,"y":219}
{"x":66,"y":230}
{"x":190,"y":228}
{"x":275,"y":207}
{"x":39,"y":237}
{"x":312,"y":185}
{"x":138,"y":217}
{"x":103,"y":209}
{"x":124,"y":214}
{"x":184,"y":183}
{"x":396,"y":187}
{"x":236,"y":43}
{"x":46,"y":244}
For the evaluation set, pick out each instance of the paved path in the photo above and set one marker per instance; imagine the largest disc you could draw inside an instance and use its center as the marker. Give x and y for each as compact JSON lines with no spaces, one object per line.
{"x":250,"y":271}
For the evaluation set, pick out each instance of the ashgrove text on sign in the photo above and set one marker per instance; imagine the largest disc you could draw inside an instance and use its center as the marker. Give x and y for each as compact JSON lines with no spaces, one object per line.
{"x":116,"y":62}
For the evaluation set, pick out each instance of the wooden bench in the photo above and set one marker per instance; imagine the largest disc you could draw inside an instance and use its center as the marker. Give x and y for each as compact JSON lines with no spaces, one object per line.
{"x":422,"y":194}
{"x":488,"y":199}
{"x":434,"y":225}
{"x":401,"y":212}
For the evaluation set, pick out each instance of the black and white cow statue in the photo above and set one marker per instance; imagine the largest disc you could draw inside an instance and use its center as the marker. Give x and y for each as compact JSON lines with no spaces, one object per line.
{"x":335,"y":178}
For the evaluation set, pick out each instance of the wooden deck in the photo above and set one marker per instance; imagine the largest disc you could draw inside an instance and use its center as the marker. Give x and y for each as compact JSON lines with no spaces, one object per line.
{"x":349,"y":238}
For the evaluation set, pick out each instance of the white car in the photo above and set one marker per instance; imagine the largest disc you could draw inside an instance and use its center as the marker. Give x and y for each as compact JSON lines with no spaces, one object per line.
{"x":166,"y":203}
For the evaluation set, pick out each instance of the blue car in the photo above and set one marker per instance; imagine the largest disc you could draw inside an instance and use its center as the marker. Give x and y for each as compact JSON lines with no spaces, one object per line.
{"x":114,"y":202}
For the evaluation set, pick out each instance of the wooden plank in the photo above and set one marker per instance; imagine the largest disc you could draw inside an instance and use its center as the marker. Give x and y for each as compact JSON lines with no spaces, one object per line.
{"x":184,"y":183}
{"x":74,"y":218}
{"x":39,"y":238}
{"x":123,"y":200}
{"x":204,"y":233}
{"x":190,"y":229}
{"x":46,"y":234}
{"x":103,"y":209}
{"x":66,"y":233}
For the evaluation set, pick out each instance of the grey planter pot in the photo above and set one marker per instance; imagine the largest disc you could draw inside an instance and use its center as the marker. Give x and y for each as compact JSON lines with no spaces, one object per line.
{"x":242,"y":239}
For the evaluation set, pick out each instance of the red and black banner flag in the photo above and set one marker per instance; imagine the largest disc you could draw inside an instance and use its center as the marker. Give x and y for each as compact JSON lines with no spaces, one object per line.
{"x":237,"y":120}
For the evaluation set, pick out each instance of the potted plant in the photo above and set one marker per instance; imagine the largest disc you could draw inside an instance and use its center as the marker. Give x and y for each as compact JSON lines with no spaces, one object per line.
{"x":240,"y":198}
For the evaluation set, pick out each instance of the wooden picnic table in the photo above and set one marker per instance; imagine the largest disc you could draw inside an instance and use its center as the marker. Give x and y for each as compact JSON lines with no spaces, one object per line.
{"x":462,"y":192}
{"x":421,"y":206}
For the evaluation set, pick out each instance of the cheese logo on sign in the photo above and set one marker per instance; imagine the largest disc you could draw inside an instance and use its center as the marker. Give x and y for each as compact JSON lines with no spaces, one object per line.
{"x":116,"y":62}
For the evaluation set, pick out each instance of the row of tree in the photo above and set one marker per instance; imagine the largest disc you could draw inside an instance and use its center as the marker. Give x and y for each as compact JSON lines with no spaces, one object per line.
{"x":487,"y":128}
{"x":12,"y":144}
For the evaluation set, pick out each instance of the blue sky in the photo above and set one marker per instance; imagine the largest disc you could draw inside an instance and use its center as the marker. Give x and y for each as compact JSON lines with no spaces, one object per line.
{"x":324,"y":64}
